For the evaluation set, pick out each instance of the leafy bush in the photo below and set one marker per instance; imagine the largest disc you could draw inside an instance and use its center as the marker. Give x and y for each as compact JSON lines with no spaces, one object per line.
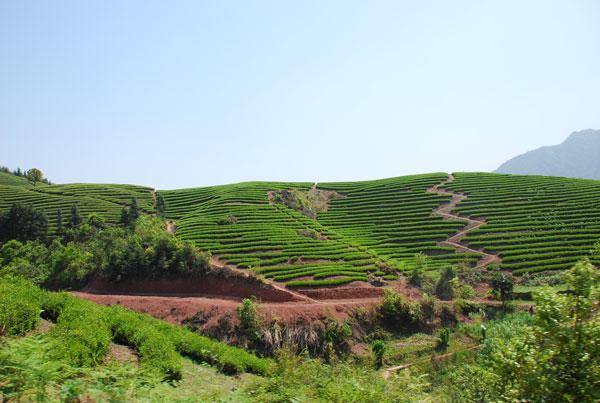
{"x":378,"y":347}
{"x":465,"y":291}
{"x":19,"y":309}
{"x":552,"y":356}
{"x":503,"y":284}
{"x":23,"y":223}
{"x":82,"y":334}
{"x":446,"y":286}
{"x":156,"y":350}
{"x":397,"y":312}
{"x":249,"y":321}
{"x":443,"y":341}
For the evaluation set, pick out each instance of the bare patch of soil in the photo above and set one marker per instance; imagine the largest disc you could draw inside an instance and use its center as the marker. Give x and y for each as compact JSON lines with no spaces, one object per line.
{"x":121,"y":353}
{"x":177,"y":309}
{"x":171,"y":227}
{"x":45,"y":326}
{"x":231,"y":287}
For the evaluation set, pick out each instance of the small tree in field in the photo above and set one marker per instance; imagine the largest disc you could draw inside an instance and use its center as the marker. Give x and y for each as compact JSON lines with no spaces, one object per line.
{"x":125,"y":219}
{"x":160,"y":205}
{"x":416,"y":275}
{"x":249,"y":321}
{"x":134,"y":210}
{"x":503,"y":284}
{"x":446,"y":285}
{"x":59,"y":223}
{"x":378,"y":348}
{"x":76,"y":218}
{"x":34,"y":175}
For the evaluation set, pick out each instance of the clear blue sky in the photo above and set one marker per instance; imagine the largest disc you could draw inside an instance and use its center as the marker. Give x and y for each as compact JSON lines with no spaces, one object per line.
{"x":180,"y":94}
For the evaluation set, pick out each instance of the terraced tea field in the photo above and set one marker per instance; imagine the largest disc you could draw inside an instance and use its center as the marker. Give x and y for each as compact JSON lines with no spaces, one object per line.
{"x":535,"y":223}
{"x":360,"y":230}
{"x":105,"y":200}
{"x":369,"y":228}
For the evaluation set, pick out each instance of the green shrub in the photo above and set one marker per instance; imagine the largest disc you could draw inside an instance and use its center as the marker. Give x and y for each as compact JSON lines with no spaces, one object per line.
{"x":156,"y":349}
{"x":443,"y":341}
{"x":446,"y":286}
{"x":465,"y":291}
{"x":397,"y":312}
{"x":19,"y":307}
{"x":82,"y":334}
{"x":249,"y":321}
{"x":378,"y":347}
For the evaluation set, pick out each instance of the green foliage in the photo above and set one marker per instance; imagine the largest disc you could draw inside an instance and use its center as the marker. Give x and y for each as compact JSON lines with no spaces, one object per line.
{"x":115,"y":253}
{"x":249,"y":326}
{"x":553,"y":356}
{"x":446,"y":286}
{"x":397,"y":312}
{"x":34,"y":176}
{"x":503,"y":284}
{"x":23,"y":223}
{"x":416,"y":275}
{"x":443,"y":341}
{"x":82,"y":334}
{"x":76,"y":219}
{"x":19,"y":309}
{"x":378,"y":347}
{"x":70,"y":264}
{"x":84,"y":331}
{"x":156,"y":349}
{"x":160,"y":205}
{"x":29,"y":260}
{"x":296,"y":378}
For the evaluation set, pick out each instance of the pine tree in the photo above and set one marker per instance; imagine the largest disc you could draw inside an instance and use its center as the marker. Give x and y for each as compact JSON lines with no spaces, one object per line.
{"x":76,"y":219}
{"x":134,"y":211}
{"x":125,"y":219}
{"x":59,"y":222}
{"x":160,"y":205}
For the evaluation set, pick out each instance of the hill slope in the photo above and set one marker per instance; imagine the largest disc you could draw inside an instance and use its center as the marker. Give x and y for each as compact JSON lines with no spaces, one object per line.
{"x":576,"y":157}
{"x":307,"y":234}
{"x":105,"y":200}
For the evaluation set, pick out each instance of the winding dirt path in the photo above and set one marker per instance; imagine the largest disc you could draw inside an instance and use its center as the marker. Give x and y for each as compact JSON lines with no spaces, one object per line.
{"x":455,"y":241}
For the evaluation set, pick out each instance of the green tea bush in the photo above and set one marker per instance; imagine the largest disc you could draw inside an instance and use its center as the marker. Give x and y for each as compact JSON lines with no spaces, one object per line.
{"x":155,"y":348}
{"x":82,"y":334}
{"x":19,"y":307}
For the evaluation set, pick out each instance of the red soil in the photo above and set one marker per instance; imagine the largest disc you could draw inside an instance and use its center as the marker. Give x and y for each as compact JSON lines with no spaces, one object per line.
{"x":236,"y":287}
{"x":335,"y":302}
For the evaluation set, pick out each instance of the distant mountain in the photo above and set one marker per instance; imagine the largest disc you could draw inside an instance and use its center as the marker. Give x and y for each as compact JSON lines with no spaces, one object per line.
{"x":577,"y":157}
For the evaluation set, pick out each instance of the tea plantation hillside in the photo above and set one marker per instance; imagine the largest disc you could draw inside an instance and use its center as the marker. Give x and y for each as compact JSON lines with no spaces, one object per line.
{"x":363,"y":227}
{"x":308,"y":234}
{"x":105,"y":200}
{"x":535,"y":223}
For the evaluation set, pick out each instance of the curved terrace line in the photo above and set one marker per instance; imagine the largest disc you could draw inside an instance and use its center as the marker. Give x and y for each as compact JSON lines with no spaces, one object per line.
{"x":455,"y":241}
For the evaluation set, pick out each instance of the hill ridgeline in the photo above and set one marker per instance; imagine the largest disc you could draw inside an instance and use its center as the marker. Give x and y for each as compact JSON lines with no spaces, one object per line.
{"x":576,"y":157}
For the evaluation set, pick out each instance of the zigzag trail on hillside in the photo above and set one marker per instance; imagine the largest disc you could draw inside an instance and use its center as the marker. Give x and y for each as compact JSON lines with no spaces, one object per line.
{"x":454,"y":241}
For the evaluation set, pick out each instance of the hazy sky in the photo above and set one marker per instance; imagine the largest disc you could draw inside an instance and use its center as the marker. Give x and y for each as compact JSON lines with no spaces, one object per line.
{"x":177,"y":94}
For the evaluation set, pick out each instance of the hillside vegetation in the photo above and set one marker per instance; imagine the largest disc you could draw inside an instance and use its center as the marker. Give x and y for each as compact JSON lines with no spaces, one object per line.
{"x":307,"y":234}
{"x":535,"y":223}
{"x":104,"y":200}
